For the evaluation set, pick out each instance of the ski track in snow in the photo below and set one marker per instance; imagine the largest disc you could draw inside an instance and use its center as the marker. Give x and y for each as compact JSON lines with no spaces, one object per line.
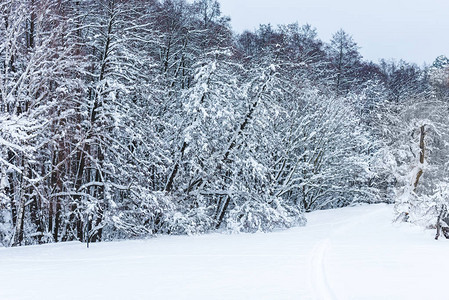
{"x":319,"y":279}
{"x":320,"y":285}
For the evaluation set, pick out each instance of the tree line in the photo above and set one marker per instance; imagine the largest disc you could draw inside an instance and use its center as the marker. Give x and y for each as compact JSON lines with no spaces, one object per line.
{"x":122,"y":119}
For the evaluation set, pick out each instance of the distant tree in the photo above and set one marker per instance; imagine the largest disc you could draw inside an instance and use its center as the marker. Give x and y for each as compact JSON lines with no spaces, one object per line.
{"x":404,"y":80}
{"x":439,"y":77}
{"x":345,"y":61}
{"x":247,"y":44}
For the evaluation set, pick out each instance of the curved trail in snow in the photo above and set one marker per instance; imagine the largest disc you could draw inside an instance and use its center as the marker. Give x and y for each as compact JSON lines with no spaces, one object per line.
{"x":319,"y":279}
{"x":320,"y":285}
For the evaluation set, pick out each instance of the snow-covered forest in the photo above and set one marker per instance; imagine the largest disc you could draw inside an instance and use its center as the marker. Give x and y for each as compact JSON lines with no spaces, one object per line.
{"x":125,"y":119}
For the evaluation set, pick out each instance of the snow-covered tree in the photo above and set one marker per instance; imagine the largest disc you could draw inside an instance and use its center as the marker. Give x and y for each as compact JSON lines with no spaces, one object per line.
{"x":345,"y":61}
{"x":423,"y":161}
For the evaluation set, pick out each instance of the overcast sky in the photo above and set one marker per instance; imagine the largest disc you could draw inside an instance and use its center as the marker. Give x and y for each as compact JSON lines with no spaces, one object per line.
{"x":414,"y":30}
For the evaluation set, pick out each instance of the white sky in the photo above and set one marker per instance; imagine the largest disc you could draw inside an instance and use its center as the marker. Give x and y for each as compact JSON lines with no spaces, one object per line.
{"x":414,"y":30}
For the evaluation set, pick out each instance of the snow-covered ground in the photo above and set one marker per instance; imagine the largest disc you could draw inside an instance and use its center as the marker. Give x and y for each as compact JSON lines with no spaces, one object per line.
{"x":350,"y":253}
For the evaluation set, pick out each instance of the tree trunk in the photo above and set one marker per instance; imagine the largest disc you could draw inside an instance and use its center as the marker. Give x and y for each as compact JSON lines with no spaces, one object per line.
{"x":18,"y":232}
{"x":421,"y":156}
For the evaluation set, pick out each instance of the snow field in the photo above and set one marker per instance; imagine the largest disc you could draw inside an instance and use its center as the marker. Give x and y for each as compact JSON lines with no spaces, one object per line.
{"x":350,"y":253}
